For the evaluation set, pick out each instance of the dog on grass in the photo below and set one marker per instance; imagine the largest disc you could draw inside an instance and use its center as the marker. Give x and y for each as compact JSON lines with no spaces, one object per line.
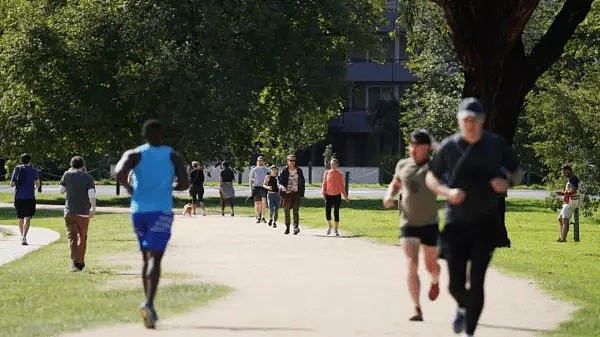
{"x":187,"y":210}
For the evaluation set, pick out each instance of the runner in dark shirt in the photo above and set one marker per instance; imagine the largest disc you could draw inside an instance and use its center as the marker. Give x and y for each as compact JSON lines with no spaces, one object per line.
{"x":226,"y":190}
{"x":197,"y":187}
{"x":479,"y":165}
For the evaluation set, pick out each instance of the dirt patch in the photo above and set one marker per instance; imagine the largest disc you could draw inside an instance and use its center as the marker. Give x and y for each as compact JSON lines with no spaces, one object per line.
{"x":131,"y":279}
{"x":4,"y":233}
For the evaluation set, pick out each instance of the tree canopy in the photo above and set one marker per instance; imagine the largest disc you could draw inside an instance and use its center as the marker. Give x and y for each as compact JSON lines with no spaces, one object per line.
{"x":80,"y":76}
{"x":489,"y":41}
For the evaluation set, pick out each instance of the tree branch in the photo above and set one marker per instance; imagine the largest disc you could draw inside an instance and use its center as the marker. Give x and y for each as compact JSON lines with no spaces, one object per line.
{"x":515,"y":24}
{"x":552,"y":44}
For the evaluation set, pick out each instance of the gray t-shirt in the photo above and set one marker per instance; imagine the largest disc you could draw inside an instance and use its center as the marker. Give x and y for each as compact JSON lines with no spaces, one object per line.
{"x":419,"y":206}
{"x":77,"y":183}
{"x":258,"y":174}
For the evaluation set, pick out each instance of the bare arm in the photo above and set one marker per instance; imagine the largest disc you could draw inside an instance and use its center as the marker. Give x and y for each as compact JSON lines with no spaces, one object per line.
{"x":92,"y":197}
{"x":128,"y":161}
{"x":266,"y":183}
{"x":183,"y":181}
{"x":455,"y":196}
{"x":436,"y":186}
{"x":392,"y":190}
{"x":251,"y":178}
{"x":12,"y":179}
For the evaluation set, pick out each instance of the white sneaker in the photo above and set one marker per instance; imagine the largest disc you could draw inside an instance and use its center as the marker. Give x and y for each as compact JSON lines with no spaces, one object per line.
{"x":24,"y":241}
{"x":329,"y":230}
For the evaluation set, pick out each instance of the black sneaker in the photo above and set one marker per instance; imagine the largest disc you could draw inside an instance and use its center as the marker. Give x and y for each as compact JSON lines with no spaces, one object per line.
{"x":80,"y":266}
{"x":287,"y":230}
{"x":270,"y":222}
{"x":296,"y":230}
{"x":458,"y":325}
{"x":264,"y":220}
{"x":418,"y":317}
{"x":274,"y":224}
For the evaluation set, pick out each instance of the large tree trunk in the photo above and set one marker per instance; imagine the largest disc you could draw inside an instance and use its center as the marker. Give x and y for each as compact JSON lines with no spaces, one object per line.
{"x":487,"y":36}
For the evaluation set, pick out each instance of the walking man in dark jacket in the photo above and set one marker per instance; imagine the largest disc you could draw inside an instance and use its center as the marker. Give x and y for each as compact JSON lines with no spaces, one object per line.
{"x":291,"y":185}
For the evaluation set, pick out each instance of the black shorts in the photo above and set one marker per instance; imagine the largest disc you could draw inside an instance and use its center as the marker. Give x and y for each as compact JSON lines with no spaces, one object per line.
{"x":197,"y":194}
{"x":427,"y":234}
{"x":25,"y":208}
{"x":259,"y":193}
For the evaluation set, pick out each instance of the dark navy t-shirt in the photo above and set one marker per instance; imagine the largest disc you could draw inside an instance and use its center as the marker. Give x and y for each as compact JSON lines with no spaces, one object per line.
{"x":227,"y":175}
{"x":471,"y":167}
{"x":24,"y":177}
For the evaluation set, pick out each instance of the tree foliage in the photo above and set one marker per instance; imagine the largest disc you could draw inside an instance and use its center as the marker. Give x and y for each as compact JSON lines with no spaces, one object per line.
{"x":563,"y":110}
{"x":489,"y":41}
{"x":80,"y":76}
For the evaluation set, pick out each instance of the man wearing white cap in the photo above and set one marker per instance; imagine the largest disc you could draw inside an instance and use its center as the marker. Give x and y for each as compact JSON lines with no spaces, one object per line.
{"x":475,"y":166}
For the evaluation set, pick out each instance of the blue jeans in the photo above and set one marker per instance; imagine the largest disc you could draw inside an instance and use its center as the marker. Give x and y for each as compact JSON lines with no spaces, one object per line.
{"x":274,"y":200}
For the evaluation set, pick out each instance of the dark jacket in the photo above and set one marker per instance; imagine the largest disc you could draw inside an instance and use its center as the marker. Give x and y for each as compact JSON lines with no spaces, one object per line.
{"x":284,"y":176}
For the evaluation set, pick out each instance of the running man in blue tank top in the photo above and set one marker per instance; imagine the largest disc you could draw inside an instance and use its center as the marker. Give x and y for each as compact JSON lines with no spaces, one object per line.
{"x":155,"y":166}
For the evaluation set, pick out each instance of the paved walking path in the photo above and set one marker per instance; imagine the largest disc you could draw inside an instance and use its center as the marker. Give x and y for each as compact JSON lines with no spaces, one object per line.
{"x":10,"y":245}
{"x":311,"y":285}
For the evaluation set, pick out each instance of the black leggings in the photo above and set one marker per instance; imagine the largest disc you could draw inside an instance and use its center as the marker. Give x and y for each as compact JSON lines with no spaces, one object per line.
{"x":461,"y":244}
{"x":333,"y":201}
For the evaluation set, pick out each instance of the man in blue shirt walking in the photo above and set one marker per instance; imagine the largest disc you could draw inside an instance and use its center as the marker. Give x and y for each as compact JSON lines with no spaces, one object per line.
{"x":24,"y":179}
{"x":154,"y":167}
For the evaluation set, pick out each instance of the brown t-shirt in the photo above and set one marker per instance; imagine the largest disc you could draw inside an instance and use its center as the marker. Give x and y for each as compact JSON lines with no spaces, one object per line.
{"x":419,"y":207}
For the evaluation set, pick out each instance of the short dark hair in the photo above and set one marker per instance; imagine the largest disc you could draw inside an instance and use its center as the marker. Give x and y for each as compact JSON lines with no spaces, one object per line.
{"x":225,"y":164}
{"x":420,"y":136}
{"x":153,"y":131}
{"x":77,"y":162}
{"x":25,"y":158}
{"x":567,"y":167}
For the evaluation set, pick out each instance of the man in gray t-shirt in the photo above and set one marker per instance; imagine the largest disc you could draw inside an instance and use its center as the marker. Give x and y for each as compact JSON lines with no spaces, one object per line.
{"x":419,"y":221}
{"x":80,"y":206}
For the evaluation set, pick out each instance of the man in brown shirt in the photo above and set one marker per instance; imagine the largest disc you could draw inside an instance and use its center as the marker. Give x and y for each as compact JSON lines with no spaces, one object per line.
{"x":419,"y":221}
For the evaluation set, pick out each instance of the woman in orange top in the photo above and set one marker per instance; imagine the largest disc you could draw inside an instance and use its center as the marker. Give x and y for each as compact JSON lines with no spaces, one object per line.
{"x":332,"y":190}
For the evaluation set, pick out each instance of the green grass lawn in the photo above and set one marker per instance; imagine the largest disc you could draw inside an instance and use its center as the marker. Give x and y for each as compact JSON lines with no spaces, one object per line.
{"x":569,"y":270}
{"x":40,"y":297}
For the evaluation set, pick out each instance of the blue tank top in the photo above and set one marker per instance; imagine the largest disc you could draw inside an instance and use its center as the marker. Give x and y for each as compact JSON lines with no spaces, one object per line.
{"x":153,"y":180}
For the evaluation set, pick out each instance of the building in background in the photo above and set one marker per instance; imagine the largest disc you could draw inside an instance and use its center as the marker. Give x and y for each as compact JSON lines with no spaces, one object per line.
{"x":367,"y":131}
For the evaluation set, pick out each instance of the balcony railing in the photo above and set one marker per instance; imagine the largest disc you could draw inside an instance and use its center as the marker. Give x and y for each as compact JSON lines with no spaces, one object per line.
{"x":352,"y":121}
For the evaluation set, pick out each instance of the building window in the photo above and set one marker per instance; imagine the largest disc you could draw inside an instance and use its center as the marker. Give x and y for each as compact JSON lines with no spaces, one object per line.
{"x":388,"y":93}
{"x":374,"y":97}
{"x":388,"y":45}
{"x":359,"y":100}
{"x":402,"y":55}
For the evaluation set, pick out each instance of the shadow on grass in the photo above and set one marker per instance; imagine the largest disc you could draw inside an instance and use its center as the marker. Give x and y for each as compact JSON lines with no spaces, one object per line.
{"x":10,"y":213}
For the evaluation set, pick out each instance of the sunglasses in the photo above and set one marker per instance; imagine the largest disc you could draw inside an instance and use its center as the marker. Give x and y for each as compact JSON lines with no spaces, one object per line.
{"x":292,"y":160}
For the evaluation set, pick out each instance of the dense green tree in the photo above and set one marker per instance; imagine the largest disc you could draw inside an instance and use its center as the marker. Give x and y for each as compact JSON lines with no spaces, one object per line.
{"x":490,"y":44}
{"x":80,"y":76}
{"x":563,"y":110}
